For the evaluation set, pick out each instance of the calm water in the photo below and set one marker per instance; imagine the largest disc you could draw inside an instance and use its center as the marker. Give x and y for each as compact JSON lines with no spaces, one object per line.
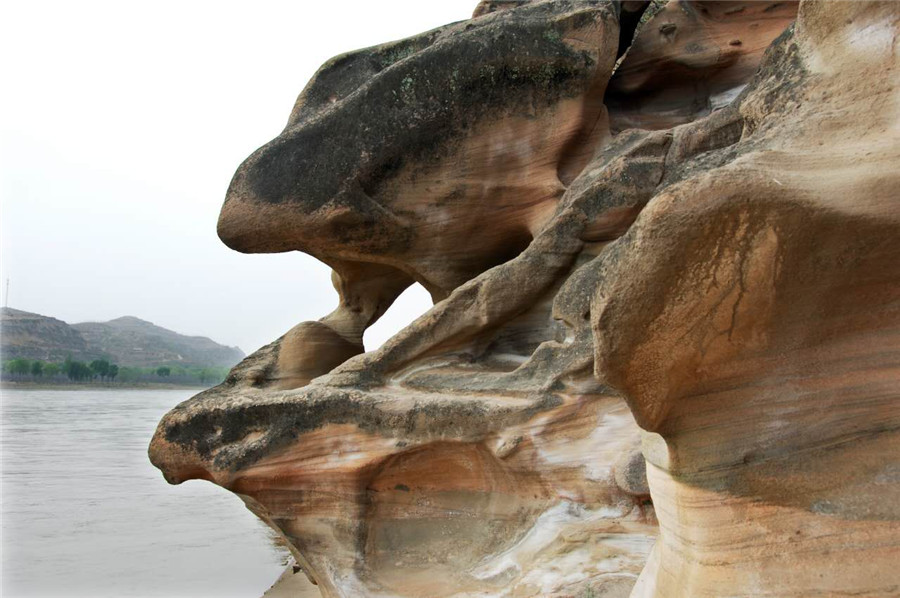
{"x":85,"y":514}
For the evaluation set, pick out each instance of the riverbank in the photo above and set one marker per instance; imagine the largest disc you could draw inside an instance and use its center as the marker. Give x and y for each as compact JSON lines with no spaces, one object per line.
{"x":23,"y":385}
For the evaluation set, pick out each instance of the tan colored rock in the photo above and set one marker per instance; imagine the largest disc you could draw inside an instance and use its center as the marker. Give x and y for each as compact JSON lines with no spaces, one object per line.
{"x":720,"y":272}
{"x":394,"y":153}
{"x":692,"y":58}
{"x":751,"y":317}
{"x":452,"y":475}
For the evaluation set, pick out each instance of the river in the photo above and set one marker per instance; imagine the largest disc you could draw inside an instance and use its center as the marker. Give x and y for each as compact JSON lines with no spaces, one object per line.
{"x":85,"y":514}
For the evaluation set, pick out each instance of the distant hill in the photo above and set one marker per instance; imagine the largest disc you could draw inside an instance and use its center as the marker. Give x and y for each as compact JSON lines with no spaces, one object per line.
{"x":33,"y":336}
{"x":127,"y":341}
{"x":137,"y":342}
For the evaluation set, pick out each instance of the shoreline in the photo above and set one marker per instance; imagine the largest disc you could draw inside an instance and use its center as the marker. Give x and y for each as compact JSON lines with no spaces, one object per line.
{"x":10,"y":385}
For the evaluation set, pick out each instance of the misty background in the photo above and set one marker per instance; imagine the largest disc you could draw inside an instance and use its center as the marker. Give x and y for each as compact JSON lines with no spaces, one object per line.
{"x":121,"y":125}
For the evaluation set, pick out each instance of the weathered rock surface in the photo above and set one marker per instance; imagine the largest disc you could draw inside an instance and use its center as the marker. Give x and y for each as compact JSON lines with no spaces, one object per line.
{"x":690,"y":250}
{"x":692,"y":58}
{"x":751,"y":318}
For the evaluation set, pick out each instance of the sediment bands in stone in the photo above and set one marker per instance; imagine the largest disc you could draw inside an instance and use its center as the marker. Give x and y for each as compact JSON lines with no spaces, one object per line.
{"x":664,"y":354}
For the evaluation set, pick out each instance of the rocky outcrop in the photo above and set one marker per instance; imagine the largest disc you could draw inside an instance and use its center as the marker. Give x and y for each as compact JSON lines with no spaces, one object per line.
{"x":667,"y":309}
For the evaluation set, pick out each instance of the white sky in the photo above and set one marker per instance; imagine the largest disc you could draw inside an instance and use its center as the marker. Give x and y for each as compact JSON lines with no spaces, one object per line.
{"x":121,"y":124}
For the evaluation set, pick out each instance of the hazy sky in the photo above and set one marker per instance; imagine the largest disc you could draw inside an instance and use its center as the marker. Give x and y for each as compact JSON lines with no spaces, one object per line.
{"x":122,"y":124}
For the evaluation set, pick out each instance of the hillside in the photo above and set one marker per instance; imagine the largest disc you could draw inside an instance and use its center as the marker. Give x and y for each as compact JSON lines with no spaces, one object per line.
{"x":137,"y":342}
{"x":33,"y":336}
{"x":127,"y":341}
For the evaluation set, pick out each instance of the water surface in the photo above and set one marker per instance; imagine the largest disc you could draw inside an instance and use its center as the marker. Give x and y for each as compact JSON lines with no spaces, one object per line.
{"x":85,"y":514}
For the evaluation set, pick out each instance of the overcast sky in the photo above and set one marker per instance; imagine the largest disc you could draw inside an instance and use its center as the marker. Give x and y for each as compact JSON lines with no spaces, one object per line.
{"x":122,"y":124}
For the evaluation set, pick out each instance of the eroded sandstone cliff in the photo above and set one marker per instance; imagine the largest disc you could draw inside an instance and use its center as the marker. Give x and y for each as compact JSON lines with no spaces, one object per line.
{"x":664,"y":355}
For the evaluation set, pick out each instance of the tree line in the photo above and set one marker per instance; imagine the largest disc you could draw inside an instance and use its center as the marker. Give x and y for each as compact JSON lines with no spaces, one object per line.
{"x":101,"y":370}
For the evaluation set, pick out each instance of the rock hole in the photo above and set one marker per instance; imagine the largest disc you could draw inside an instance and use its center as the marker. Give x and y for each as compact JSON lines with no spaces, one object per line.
{"x":411,"y":304}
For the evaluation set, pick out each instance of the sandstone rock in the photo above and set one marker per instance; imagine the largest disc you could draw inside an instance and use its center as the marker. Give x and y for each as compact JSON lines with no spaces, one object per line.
{"x":394,"y":153}
{"x":751,"y":317}
{"x":710,"y":256}
{"x":691,"y":58}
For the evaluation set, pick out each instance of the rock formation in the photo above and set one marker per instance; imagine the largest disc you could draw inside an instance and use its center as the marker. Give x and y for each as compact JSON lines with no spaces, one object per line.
{"x":662,"y":243}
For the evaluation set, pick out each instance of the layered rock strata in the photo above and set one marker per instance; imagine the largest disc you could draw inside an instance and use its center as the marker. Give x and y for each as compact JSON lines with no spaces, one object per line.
{"x":661,"y":239}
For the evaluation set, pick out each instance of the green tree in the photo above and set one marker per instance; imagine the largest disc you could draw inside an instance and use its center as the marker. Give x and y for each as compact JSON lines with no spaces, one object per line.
{"x":100,"y":367}
{"x":20,"y":366}
{"x":51,"y":369}
{"x":113,"y":372}
{"x":163,"y":372}
{"x":127,"y":374}
{"x":37,"y":368}
{"x":79,"y":371}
